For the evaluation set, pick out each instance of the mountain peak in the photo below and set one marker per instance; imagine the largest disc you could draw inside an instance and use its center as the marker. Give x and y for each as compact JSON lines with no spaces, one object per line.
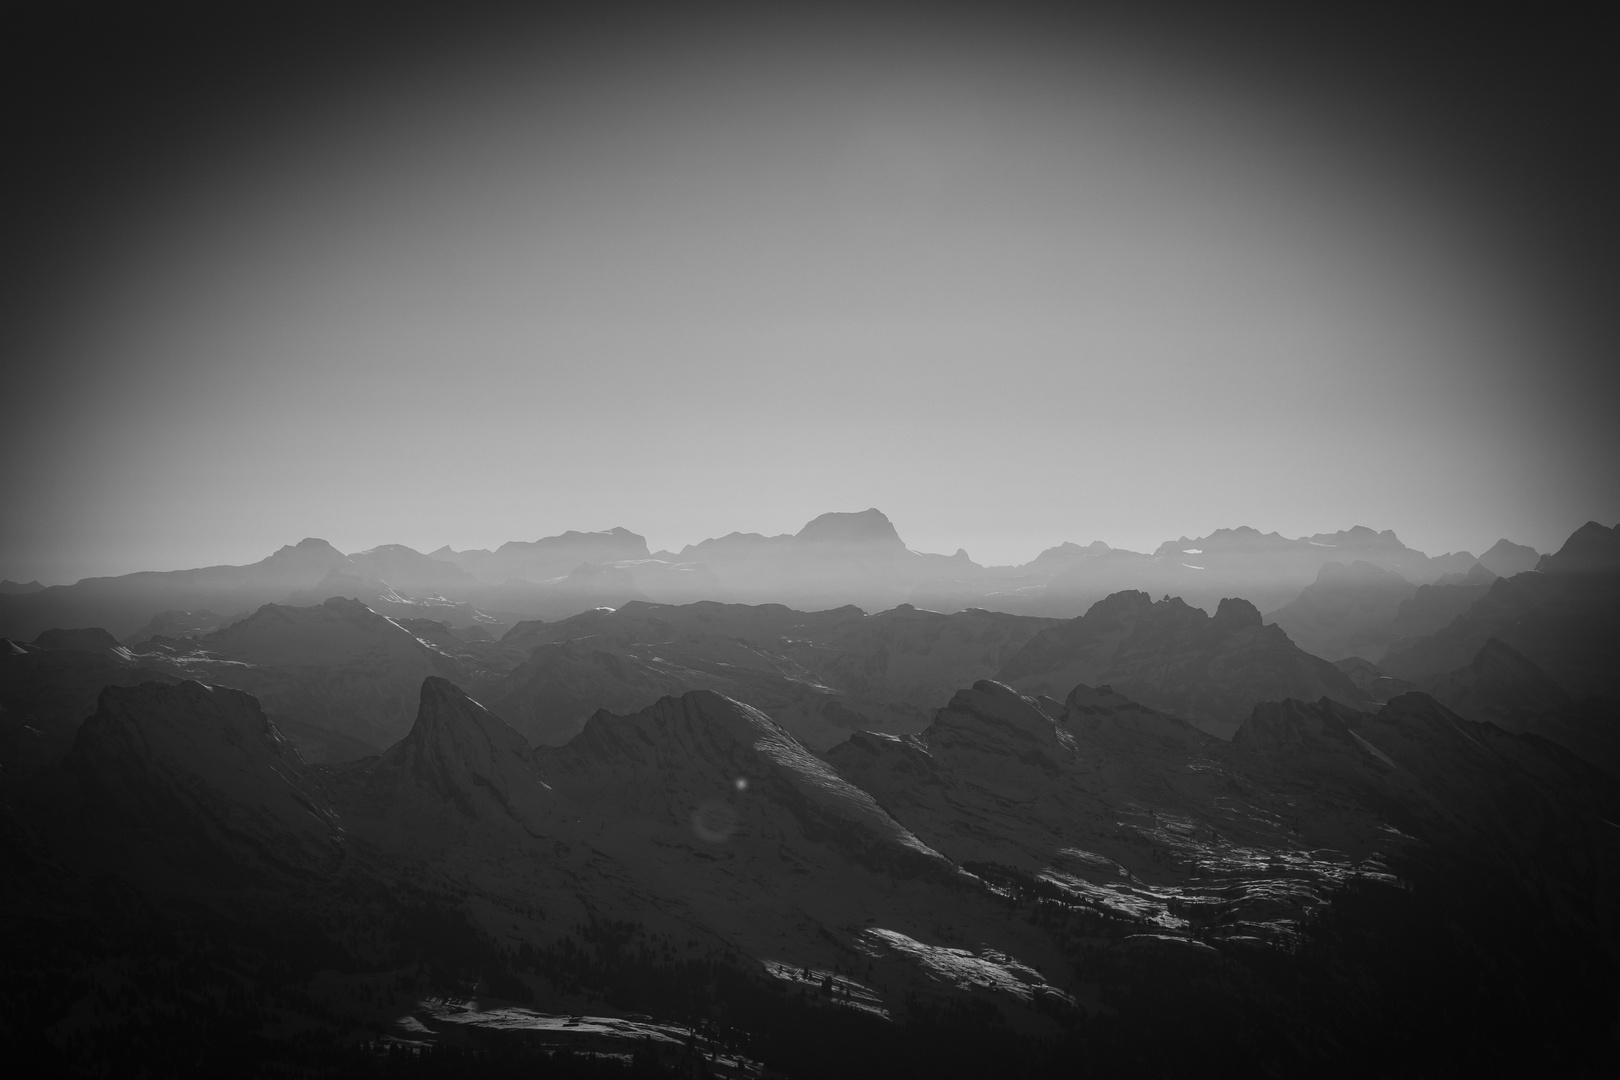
{"x":994,"y":718}
{"x":309,"y":546}
{"x":868,"y":528}
{"x":1124,"y":603}
{"x":466,"y":756}
{"x":1236,"y":613}
{"x":444,"y":710}
{"x":1590,"y":549}
{"x":1358,"y":536}
{"x":1505,"y":558}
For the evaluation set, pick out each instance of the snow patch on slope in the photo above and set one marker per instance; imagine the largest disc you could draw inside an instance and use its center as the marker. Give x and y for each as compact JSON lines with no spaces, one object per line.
{"x":964,"y":969}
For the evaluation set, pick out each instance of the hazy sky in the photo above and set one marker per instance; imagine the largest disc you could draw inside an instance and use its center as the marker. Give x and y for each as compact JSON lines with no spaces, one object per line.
{"x":1011,"y":277}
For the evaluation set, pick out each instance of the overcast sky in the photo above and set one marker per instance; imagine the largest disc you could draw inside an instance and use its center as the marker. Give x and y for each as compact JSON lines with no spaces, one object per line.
{"x":1012,"y":278}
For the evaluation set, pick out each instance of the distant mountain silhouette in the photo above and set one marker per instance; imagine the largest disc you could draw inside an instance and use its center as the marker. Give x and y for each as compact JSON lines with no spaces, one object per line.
{"x":836,"y":559}
{"x":1434,"y":605}
{"x":868,"y":530}
{"x":124,"y":604}
{"x":1346,"y":611}
{"x":549,"y":557}
{"x":1267,"y":568}
{"x":1174,"y":657}
{"x":395,"y":602}
{"x":1504,"y":559}
{"x":411,"y":572}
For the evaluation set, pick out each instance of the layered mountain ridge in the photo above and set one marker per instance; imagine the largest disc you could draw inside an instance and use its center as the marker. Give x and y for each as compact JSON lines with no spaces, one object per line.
{"x":835,"y":560}
{"x":1169,"y":655}
{"x":1028,"y":840}
{"x":889,"y":864}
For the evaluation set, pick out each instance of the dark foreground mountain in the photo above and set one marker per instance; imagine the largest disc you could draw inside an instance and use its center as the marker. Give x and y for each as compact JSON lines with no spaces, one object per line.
{"x":1025,"y":887}
{"x":48,"y":686}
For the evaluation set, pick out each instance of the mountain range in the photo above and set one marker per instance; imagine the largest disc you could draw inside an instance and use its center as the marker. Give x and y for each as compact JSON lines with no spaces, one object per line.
{"x":1149,"y":838}
{"x":837,"y":559}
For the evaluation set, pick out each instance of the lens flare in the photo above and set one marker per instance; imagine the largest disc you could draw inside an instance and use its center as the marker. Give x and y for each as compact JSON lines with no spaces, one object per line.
{"x":714,"y":822}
